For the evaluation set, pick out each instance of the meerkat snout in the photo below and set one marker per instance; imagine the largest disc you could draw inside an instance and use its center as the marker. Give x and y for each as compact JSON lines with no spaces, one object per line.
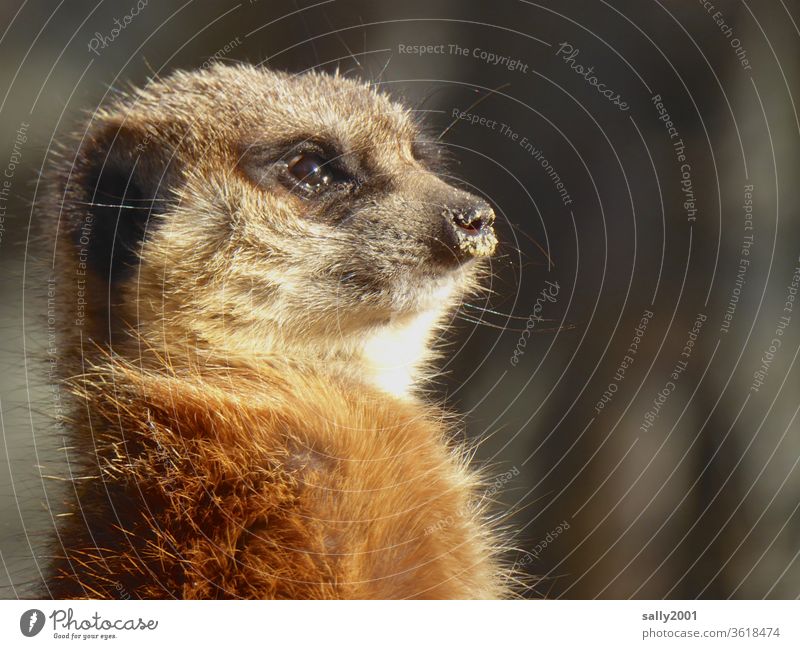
{"x":471,"y":230}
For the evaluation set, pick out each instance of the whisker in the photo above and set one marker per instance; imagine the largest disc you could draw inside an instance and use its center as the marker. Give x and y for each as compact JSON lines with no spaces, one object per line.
{"x":121,"y":207}
{"x":344,"y":44}
{"x":379,"y":79}
{"x":471,"y":106}
{"x":545,"y":330}
{"x":486,"y":323}
{"x":517,"y":228}
{"x":504,"y":315}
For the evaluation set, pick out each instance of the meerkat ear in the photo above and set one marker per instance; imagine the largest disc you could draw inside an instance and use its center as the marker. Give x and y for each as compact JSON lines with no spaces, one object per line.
{"x":120,"y":187}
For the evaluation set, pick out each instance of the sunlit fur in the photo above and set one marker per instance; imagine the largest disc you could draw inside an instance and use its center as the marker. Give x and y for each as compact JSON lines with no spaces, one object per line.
{"x":246,"y":419}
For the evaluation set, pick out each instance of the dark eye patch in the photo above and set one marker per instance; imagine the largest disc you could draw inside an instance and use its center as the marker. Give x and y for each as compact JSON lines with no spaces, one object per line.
{"x":307,"y":167}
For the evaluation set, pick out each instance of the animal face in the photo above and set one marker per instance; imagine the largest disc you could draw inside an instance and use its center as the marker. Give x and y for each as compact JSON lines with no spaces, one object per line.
{"x":242,"y":204}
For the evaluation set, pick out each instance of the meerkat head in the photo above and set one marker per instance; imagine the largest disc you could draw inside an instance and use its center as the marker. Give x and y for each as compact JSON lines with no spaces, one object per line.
{"x":245,"y":211}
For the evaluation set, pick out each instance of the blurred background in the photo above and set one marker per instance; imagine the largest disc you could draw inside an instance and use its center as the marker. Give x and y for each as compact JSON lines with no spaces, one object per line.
{"x":638,"y":420}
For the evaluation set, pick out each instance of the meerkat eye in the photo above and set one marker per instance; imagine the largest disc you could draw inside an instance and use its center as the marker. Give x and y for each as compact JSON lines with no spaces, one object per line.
{"x":311,"y":169}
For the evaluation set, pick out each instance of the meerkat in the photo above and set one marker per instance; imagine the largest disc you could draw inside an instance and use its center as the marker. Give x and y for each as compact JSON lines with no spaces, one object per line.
{"x":252,"y":267}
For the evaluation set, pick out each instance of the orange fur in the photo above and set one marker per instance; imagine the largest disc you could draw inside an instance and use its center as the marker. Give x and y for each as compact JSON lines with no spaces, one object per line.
{"x":274,"y":483}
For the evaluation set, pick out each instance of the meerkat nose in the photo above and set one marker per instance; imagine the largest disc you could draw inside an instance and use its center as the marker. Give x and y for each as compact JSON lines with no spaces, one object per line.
{"x":471,"y":229}
{"x":475,"y":219}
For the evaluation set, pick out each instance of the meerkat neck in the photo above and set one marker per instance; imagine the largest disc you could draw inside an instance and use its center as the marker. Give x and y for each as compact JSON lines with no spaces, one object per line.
{"x":395,"y":356}
{"x":392,"y":357}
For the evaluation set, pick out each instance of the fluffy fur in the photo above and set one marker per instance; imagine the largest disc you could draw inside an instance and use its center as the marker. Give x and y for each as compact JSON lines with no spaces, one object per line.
{"x":245,"y":357}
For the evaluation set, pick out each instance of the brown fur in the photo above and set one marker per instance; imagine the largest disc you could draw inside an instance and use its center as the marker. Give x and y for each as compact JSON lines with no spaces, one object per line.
{"x":233,"y":433}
